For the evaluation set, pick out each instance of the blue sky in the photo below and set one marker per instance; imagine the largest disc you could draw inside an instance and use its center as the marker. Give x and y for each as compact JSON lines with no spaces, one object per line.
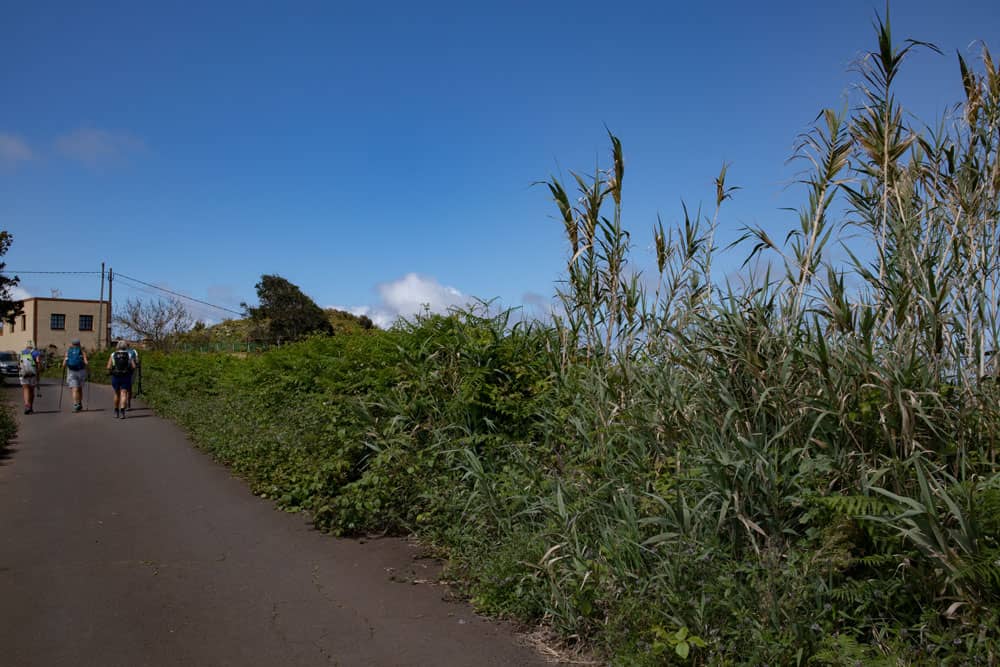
{"x":382,"y":156}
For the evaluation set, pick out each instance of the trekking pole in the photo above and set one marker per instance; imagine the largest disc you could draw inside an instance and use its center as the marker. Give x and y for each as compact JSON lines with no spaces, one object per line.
{"x":62,"y":383}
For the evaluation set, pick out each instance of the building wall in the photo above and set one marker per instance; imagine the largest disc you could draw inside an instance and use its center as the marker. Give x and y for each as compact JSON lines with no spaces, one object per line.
{"x":16,"y":336}
{"x":36,"y":325}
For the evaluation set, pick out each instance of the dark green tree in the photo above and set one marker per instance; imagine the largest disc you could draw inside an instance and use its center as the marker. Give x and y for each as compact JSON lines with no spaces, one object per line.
{"x":290,"y":314}
{"x":9,"y":308}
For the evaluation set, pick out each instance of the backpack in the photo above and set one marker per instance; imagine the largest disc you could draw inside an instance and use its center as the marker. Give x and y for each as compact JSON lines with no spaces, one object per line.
{"x":26,"y":365}
{"x":74,"y":358}
{"x":121,"y":363}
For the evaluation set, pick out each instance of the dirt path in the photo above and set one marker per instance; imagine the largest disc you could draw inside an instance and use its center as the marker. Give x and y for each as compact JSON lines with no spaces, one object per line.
{"x":120,"y":544}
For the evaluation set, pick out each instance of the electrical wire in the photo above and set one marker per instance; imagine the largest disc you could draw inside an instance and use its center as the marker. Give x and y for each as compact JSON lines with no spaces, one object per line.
{"x":178,"y":294}
{"x":129,"y":279}
{"x":60,"y":273}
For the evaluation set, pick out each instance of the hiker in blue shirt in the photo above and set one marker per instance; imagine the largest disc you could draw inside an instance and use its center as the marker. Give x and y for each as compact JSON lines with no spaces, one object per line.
{"x":29,"y":367}
{"x":75,"y":362}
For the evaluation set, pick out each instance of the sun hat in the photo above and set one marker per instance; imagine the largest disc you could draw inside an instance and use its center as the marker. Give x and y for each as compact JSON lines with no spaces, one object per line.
{"x":75,"y":341}
{"x":122,"y":345}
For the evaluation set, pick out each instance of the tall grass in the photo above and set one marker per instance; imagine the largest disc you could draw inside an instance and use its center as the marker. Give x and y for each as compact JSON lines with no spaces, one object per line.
{"x":828,"y":407}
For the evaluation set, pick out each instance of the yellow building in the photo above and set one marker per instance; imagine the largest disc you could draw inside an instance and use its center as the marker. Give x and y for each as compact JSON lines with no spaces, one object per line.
{"x":53,"y":323}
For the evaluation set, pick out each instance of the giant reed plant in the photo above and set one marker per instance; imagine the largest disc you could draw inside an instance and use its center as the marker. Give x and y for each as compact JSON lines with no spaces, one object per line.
{"x":819,"y":392}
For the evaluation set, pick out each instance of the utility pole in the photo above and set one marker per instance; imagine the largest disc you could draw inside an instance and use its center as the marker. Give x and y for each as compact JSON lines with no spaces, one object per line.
{"x":100,"y":310}
{"x":111,"y":278}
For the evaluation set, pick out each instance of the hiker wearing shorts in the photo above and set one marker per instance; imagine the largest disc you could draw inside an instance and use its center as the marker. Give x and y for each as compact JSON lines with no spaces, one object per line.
{"x":29,"y":367}
{"x":75,"y":362}
{"x":121,"y":366}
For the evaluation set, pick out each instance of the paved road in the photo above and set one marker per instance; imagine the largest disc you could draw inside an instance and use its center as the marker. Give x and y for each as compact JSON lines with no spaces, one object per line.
{"x":120,"y":544}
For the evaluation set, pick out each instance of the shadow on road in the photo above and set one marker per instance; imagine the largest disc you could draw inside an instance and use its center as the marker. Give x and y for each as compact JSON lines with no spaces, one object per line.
{"x":7,"y":453}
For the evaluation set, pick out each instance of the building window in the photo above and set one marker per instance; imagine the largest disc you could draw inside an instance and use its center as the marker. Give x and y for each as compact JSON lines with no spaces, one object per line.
{"x":86,"y":323}
{"x":58,"y":322}
{"x":24,"y":322}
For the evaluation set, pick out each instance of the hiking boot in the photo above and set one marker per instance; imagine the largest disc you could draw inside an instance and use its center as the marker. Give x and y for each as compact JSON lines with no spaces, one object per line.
{"x":27,"y":409}
{"x":77,"y":407}
{"x":116,"y":413}
{"x":121,"y":415}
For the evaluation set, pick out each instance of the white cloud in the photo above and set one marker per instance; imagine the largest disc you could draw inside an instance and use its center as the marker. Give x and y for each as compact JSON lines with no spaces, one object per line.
{"x":14,"y":149}
{"x":97,"y":148}
{"x":538,"y":301}
{"x":381,"y":317}
{"x":536,"y":307}
{"x":412,"y":293}
{"x":18,"y":293}
{"x":407,"y":297}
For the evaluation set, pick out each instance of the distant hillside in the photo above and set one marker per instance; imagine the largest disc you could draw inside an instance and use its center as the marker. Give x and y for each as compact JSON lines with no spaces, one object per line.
{"x":242,"y":330}
{"x":344,"y":322}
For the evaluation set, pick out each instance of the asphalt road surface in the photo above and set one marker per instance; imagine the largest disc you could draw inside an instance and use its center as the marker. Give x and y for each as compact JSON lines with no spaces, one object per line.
{"x":121,"y":544}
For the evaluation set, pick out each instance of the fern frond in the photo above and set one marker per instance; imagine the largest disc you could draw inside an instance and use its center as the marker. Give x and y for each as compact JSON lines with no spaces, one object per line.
{"x":855,"y":506}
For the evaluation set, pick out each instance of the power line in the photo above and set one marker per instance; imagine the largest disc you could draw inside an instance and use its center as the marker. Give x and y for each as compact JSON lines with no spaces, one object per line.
{"x":60,"y":273}
{"x":178,"y":294}
{"x":131,"y":279}
{"x":139,"y":290}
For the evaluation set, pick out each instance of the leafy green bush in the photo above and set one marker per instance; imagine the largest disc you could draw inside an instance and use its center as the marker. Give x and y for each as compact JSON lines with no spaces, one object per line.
{"x":8,"y":425}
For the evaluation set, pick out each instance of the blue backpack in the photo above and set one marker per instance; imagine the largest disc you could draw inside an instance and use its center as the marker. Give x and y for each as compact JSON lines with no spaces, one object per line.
{"x":74,"y":358}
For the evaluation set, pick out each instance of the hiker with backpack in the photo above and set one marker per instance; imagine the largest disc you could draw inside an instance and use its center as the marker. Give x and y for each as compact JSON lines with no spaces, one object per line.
{"x":75,"y":362}
{"x":121,"y":366}
{"x":29,"y":367}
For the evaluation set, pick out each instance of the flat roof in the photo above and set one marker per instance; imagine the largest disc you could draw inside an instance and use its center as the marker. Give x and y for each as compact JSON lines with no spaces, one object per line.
{"x":47,"y":298}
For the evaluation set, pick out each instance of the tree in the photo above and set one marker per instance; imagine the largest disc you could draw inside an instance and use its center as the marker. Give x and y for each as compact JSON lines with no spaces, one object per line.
{"x":290,"y":314}
{"x":9,"y":307}
{"x":157,"y":321}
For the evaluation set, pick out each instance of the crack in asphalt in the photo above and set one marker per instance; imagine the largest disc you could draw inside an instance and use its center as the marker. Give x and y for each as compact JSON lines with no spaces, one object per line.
{"x":321,"y":589}
{"x":330,"y":659}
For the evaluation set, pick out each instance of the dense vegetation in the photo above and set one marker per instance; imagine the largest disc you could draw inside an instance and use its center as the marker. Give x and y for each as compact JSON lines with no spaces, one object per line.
{"x":8,"y":425}
{"x":250,"y":334}
{"x":10,"y":308}
{"x":799,"y":471}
